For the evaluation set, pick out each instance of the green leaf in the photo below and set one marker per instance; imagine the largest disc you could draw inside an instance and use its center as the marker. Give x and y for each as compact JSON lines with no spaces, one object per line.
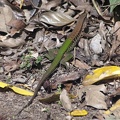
{"x":38,"y":60}
{"x":113,"y":4}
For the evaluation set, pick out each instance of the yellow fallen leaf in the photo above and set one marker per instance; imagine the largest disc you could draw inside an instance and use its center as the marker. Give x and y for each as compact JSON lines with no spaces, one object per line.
{"x":114,"y":107}
{"x":106,"y":72}
{"x":16,"y":89}
{"x":3,"y":85}
{"x":77,"y":113}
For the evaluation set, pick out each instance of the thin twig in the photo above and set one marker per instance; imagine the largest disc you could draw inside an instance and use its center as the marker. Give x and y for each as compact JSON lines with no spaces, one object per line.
{"x":97,"y":7}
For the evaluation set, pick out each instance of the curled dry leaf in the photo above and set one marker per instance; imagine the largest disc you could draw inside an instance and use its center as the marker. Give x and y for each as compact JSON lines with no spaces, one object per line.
{"x":5,"y":16}
{"x":65,"y":100}
{"x":91,"y":92}
{"x":95,"y":44}
{"x":103,"y":73}
{"x":11,"y":42}
{"x":56,"y":18}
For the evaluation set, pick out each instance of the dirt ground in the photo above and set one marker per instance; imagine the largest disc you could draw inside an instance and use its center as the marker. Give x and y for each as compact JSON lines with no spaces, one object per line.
{"x":11,"y":103}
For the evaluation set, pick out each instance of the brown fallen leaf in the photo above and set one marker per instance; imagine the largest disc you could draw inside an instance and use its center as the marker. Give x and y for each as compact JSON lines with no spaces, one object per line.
{"x":51,"y":4}
{"x":80,"y":64}
{"x":68,"y":77}
{"x":65,"y":78}
{"x":65,"y":100}
{"x":91,"y":92}
{"x":15,"y":25}
{"x":11,"y":65}
{"x":115,"y":45}
{"x":84,"y":5}
{"x":68,"y":86}
{"x":5,"y":16}
{"x":11,"y":42}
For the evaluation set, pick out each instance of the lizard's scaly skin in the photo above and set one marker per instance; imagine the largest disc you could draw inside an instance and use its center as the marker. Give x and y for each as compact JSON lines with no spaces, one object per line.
{"x":75,"y":34}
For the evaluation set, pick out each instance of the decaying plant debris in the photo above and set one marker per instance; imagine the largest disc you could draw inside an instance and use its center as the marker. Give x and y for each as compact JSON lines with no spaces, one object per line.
{"x":31,"y":32}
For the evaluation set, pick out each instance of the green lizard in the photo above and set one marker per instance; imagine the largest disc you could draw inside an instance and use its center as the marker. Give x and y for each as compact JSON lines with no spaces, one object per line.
{"x":72,"y":38}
